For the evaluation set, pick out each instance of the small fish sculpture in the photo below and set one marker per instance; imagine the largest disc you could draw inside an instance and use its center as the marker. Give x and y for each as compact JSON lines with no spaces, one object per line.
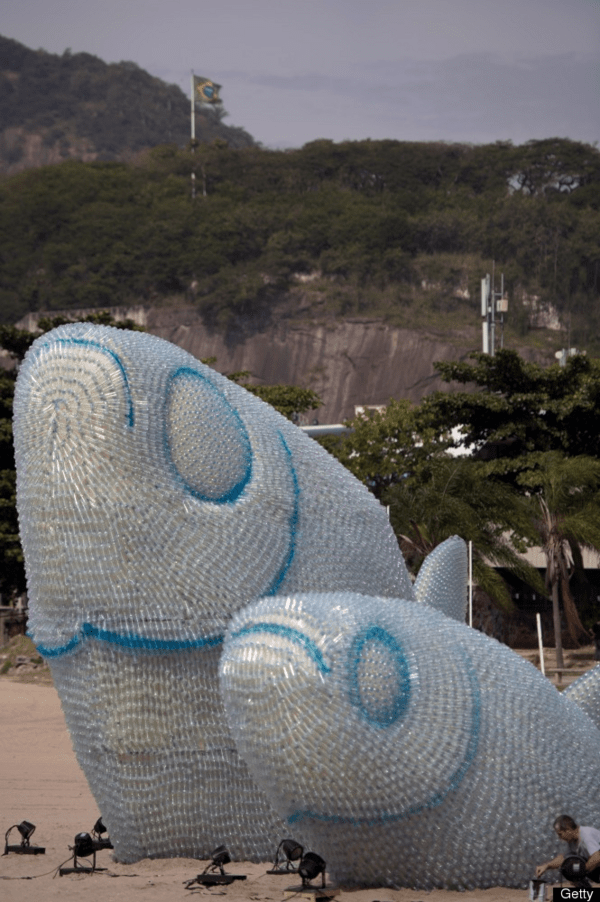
{"x":403,"y":746}
{"x":156,"y":498}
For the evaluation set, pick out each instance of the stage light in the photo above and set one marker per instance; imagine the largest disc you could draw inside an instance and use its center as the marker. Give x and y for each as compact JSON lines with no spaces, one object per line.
{"x":287,"y":852}
{"x":97,"y":830}
{"x":26,"y":829}
{"x":310,"y":867}
{"x":573,"y":869}
{"x":83,"y":847}
{"x":219,"y":857}
{"x":99,"y":827}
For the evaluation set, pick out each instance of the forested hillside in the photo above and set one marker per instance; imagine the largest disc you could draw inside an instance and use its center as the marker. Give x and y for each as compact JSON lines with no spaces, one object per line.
{"x":398,"y":230}
{"x":77,"y":106}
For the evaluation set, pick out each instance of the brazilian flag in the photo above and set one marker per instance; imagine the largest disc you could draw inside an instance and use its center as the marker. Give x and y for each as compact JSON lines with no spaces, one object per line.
{"x":205,"y":90}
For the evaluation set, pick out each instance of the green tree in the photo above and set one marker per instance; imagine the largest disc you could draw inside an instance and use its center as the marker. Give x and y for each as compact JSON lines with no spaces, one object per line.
{"x":385,"y":223}
{"x":383,"y":447}
{"x":401,"y":456}
{"x":518,"y":408}
{"x":289,"y":400}
{"x":554,"y":165}
{"x":12,"y":573}
{"x":454,"y":496}
{"x":563,"y":493}
{"x":539,"y":431}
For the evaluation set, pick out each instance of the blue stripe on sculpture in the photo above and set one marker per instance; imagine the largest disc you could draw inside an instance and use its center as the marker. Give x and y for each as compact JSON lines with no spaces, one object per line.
{"x":127,"y":640}
{"x":277,"y":629}
{"x":59,"y":650}
{"x":278,"y":581}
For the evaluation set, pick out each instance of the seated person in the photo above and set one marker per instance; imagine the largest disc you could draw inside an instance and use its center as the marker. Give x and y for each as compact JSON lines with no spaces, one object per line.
{"x":582,"y":841}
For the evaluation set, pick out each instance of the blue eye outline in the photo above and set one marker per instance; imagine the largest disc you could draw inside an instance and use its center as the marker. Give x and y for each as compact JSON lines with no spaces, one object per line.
{"x":233,"y":493}
{"x":398,"y":708}
{"x":440,"y":795}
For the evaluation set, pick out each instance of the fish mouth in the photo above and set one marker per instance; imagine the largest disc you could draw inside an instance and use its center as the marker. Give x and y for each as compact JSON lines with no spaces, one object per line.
{"x":128,"y":641}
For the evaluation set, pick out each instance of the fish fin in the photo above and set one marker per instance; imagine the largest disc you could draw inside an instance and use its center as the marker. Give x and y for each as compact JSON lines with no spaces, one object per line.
{"x":585,"y":692}
{"x":443,"y":579}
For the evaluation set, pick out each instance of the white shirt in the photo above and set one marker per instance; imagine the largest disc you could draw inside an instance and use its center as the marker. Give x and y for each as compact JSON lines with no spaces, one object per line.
{"x":589,"y":842}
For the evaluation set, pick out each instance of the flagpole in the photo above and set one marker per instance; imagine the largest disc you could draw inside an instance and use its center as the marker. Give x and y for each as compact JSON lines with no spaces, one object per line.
{"x":192,"y":110}
{"x":193,"y":130}
{"x":470,"y":583}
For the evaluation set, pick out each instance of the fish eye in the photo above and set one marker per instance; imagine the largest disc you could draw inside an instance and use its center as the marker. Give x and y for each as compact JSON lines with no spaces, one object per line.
{"x":206,"y":440}
{"x":379,"y":677}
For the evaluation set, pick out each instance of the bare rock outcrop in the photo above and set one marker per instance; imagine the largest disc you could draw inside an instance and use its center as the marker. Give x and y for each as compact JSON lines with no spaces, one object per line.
{"x":349,"y":362}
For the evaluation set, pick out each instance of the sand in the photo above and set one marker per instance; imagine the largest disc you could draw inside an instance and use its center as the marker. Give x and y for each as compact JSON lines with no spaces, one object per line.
{"x":40,"y":781}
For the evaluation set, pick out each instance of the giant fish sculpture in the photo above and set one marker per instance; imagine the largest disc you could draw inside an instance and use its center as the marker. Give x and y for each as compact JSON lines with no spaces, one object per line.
{"x":240,"y":652}
{"x":156,"y":498}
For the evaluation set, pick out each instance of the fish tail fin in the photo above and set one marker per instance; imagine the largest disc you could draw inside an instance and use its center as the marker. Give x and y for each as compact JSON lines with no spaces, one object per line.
{"x":443,"y":579}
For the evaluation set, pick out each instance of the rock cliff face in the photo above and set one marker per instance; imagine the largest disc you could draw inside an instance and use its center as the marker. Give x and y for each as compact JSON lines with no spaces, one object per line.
{"x":21,"y":149}
{"x":349,"y":362}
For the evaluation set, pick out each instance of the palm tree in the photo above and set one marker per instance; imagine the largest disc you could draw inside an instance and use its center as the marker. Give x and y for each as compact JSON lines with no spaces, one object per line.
{"x":565,"y":512}
{"x":454,"y":496}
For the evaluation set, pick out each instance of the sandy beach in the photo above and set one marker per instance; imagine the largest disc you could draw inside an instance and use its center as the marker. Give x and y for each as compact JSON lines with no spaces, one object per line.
{"x":41,"y":782}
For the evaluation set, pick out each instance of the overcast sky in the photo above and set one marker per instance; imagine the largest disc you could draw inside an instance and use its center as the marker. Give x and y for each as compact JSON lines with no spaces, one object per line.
{"x":296,"y":70}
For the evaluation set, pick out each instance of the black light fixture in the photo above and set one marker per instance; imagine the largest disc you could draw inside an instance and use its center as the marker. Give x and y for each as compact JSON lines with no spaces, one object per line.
{"x":99,"y":841}
{"x":208,"y":877}
{"x":310,"y":867}
{"x":25,"y":828}
{"x":288,"y":851}
{"x":83,"y":847}
{"x":574,"y":870}
{"x":219,"y":857}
